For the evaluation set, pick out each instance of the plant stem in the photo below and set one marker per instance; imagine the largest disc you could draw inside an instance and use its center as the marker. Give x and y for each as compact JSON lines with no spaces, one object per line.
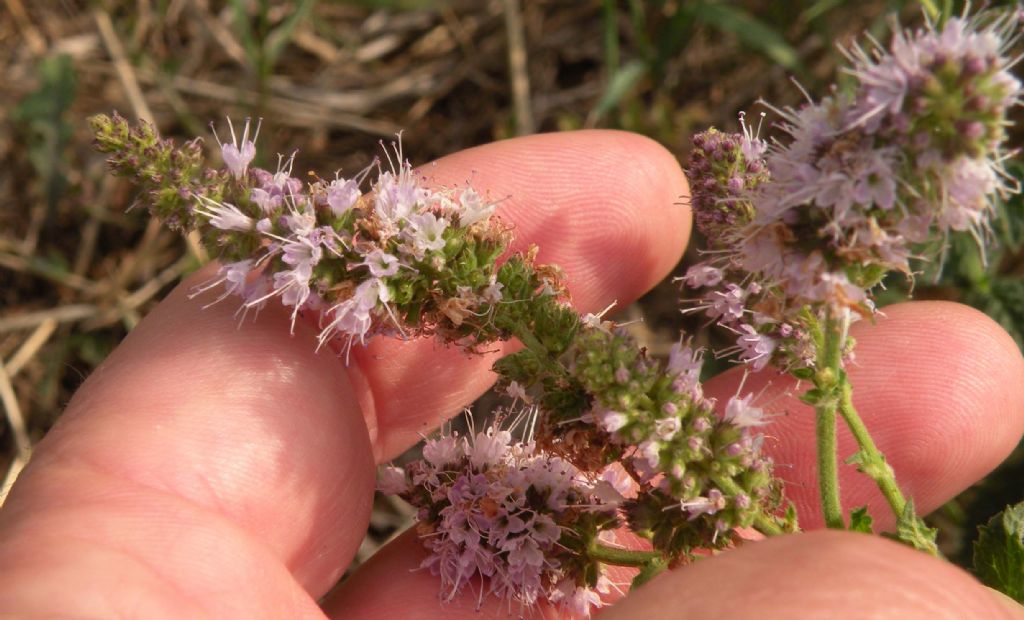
{"x":833,"y":393}
{"x":870,"y":460}
{"x":828,"y":468}
{"x":622,"y":557}
{"x":826,"y":382}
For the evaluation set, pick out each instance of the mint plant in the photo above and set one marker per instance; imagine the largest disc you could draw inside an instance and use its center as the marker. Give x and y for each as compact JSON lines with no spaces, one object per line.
{"x":801,"y":230}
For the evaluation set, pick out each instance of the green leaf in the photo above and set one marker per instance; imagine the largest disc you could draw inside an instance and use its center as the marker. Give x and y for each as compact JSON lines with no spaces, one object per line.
{"x":931,"y":9}
{"x":804,"y":374}
{"x":874,"y":467}
{"x":860,"y":520}
{"x":820,"y":8}
{"x":999,"y":552}
{"x":1004,"y":302}
{"x":912,"y":530}
{"x":280,"y":36}
{"x":619,"y":86}
{"x":750,"y":31}
{"x":245,"y":32}
{"x":813,"y":396}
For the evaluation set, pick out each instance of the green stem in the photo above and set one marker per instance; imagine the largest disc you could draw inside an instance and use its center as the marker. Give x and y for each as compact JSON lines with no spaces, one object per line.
{"x":870,"y":459}
{"x":910,"y":528}
{"x":828,"y":467}
{"x":825,"y":380}
{"x":622,"y":557}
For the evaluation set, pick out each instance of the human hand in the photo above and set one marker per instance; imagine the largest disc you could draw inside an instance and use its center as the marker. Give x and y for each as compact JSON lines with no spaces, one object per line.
{"x":207,"y":470}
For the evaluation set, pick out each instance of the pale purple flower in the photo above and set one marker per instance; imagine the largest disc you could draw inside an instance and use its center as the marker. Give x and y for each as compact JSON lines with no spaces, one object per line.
{"x":610,"y":421}
{"x":443,"y":450}
{"x":268,"y":202}
{"x":276,"y":186}
{"x":489,"y":447}
{"x":237,"y":157}
{"x":302,"y":219}
{"x":741,"y":413}
{"x":801,"y":275}
{"x":492,"y":292}
{"x":809,"y":127}
{"x":685,"y":363}
{"x":751,"y":145}
{"x":392,"y":480}
{"x":293,"y":286}
{"x":836,"y":189}
{"x":472,"y":208}
{"x":302,"y":252}
{"x":970,"y":183}
{"x":254,"y":294}
{"x":223,"y":215}
{"x":649,"y":454}
{"x":396,"y":196}
{"x":381,"y":263}
{"x":233,"y":276}
{"x":596,"y":321}
{"x":885,"y":84}
{"x":875,"y":183}
{"x":425,"y":232}
{"x":666,"y":428}
{"x":760,"y":252}
{"x":347,"y":318}
{"x":709,"y":505}
{"x":727,"y":304}
{"x":517,"y":391}
{"x":342,"y":195}
{"x":702,"y":274}
{"x":353,"y":316}
{"x":578,"y":601}
{"x":696,"y":506}
{"x":496,"y":510}
{"x":756,"y":349}
{"x":836,"y":287}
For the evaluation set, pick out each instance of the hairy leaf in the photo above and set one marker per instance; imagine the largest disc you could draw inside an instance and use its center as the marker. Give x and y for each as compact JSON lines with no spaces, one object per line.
{"x":999,"y":552}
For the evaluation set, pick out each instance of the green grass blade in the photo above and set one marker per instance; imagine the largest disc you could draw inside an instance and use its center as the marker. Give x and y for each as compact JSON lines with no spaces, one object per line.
{"x":751,"y":31}
{"x":619,"y":86}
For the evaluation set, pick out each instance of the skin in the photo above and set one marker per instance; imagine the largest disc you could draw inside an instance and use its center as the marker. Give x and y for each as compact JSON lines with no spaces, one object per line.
{"x":206,"y":470}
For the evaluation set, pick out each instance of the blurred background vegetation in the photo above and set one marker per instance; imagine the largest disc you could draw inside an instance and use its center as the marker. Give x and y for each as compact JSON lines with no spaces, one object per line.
{"x":78,"y":268}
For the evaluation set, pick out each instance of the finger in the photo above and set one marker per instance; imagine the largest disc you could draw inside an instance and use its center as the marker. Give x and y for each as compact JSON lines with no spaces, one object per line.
{"x":391,"y":584}
{"x":601,"y":205}
{"x":939,"y":385}
{"x":815,"y":575}
{"x":256,"y":432}
{"x":215,"y":448}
